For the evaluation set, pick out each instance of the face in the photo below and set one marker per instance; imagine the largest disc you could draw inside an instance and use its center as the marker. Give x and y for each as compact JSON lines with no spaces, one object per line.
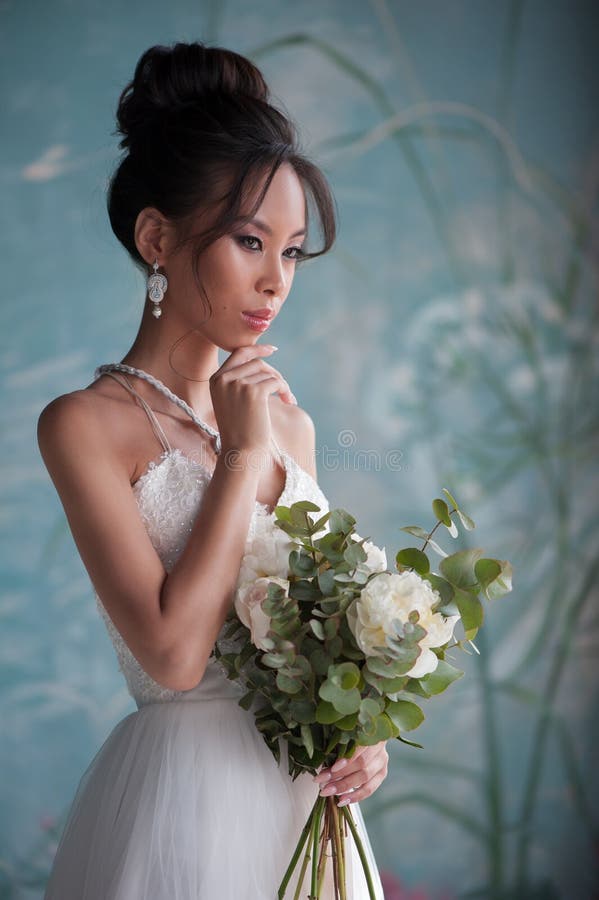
{"x":248,"y":271}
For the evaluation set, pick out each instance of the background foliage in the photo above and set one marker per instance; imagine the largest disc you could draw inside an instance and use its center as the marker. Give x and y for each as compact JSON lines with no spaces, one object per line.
{"x":449,"y":339}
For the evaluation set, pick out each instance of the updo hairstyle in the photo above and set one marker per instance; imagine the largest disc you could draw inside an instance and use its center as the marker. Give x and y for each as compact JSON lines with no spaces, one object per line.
{"x":199,"y":132}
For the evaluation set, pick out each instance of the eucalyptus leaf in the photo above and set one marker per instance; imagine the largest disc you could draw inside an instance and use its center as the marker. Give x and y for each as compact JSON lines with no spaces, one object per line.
{"x":413,"y":557}
{"x":331,"y":626}
{"x":355,"y":554}
{"x":347,"y":723}
{"x":288,"y":685}
{"x":471,"y":612}
{"x":502,"y":583}
{"x":304,"y":711}
{"x":404,"y":714}
{"x":416,"y":530}
{"x":307,"y":740}
{"x":437,"y":548}
{"x":441,"y":511}
{"x":326,"y":713}
{"x":466,"y":521}
{"x":341,"y":520}
{"x":383,"y":731}
{"x":326,"y":582}
{"x":458,"y":568}
{"x":247,"y":699}
{"x":317,"y":628}
{"x":345,"y":702}
{"x":450,"y":497}
{"x":444,"y":675}
{"x":274,"y":660}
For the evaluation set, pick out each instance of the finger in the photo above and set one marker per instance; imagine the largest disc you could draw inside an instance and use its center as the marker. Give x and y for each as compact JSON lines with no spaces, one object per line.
{"x":258,"y":367}
{"x":354,"y":777}
{"x":247,"y":367}
{"x":242,"y":354}
{"x":351,"y":784}
{"x":263,"y":376}
{"x":365,"y":790}
{"x":340,"y":767}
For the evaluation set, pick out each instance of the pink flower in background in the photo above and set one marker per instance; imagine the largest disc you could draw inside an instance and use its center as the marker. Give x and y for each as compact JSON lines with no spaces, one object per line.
{"x":394,"y":890}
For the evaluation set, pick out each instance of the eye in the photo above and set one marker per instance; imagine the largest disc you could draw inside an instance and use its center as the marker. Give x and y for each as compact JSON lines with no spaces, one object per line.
{"x":299,"y":253}
{"x":248,"y":237}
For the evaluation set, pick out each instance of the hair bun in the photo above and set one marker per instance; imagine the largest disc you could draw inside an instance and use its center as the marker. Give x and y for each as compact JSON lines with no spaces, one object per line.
{"x":168,"y":79}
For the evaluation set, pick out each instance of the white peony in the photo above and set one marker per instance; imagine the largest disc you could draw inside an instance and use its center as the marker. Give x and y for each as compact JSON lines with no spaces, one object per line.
{"x":393,"y":595}
{"x":376,"y":559}
{"x":248,"y":606}
{"x":267,"y":553}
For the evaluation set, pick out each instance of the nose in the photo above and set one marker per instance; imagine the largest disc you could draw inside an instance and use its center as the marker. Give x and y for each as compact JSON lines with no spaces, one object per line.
{"x":273,"y":278}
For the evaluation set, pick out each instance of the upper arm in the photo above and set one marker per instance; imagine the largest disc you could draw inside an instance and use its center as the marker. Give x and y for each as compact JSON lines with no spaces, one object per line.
{"x":103,"y":516}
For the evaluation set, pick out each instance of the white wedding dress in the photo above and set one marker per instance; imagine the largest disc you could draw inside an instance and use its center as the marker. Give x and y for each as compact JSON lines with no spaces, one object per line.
{"x":184,"y":800}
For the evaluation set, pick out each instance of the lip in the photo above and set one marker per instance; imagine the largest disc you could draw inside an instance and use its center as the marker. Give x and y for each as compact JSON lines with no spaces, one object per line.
{"x":256,"y":322}
{"x":263,"y":313}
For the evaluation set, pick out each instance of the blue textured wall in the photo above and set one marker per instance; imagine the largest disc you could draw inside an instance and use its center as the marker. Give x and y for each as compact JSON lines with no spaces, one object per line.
{"x":454,"y":325}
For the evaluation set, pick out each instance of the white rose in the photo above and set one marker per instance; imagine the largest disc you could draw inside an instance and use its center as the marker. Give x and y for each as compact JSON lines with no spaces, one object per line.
{"x":248,"y":606}
{"x":393,"y":596}
{"x":376,"y":559}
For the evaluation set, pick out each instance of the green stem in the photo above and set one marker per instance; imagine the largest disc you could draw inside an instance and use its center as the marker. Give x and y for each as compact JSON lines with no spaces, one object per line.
{"x":322,"y":860}
{"x":346,"y":812}
{"x":302,"y":873}
{"x":338,"y":838}
{"x":319,"y":806}
{"x":300,"y":844}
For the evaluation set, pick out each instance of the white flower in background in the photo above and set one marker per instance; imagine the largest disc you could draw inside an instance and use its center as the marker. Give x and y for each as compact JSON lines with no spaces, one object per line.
{"x":376,"y":559}
{"x":393,"y":595}
{"x":248,"y":606}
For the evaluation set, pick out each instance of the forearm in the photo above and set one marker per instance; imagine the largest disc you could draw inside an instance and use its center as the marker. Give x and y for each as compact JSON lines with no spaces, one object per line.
{"x":197,"y":593}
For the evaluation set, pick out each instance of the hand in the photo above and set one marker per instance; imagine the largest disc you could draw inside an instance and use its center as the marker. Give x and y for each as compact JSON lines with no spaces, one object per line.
{"x":239,"y":390}
{"x":364,"y":771}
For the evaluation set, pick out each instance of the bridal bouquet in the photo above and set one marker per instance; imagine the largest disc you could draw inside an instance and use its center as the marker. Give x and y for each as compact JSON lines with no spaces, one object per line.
{"x":335,"y":651}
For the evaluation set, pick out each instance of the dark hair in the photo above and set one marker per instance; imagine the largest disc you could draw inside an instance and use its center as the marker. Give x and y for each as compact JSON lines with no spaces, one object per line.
{"x":200,"y":130}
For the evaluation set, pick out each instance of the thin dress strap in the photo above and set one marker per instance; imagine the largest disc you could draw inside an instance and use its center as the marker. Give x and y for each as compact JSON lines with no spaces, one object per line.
{"x":106,"y":370}
{"x":278,"y":449}
{"x":158,"y":430}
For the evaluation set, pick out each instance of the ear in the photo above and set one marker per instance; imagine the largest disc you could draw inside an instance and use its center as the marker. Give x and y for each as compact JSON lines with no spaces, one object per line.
{"x":153,"y":234}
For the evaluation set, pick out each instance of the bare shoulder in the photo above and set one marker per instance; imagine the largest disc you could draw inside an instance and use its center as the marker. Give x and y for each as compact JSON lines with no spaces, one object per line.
{"x":71,"y":425}
{"x":296,"y":433}
{"x":64,"y":420}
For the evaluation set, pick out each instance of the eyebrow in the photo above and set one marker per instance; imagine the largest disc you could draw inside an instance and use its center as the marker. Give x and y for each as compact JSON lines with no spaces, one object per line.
{"x":268,"y":230}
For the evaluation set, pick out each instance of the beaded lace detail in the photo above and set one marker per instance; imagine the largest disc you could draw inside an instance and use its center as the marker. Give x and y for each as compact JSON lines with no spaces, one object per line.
{"x":169,"y":495}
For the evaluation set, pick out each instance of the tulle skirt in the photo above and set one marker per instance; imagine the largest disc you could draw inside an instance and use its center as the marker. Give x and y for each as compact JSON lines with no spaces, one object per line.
{"x":184,"y":801}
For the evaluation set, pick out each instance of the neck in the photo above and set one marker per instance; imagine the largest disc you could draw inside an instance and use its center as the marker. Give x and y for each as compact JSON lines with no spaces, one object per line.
{"x":185,"y":368}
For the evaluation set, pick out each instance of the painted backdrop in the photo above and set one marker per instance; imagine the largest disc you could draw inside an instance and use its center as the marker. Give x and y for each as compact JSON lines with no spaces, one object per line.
{"x":450,"y":339}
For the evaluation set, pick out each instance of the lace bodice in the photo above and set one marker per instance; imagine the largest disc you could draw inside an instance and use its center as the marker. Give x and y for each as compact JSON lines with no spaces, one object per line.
{"x":169,"y":494}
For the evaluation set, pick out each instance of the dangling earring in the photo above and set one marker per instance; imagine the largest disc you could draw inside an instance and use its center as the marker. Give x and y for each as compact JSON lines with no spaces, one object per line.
{"x":157,"y":285}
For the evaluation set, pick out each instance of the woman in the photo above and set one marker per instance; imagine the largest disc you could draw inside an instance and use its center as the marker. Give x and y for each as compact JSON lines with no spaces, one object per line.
{"x":184,"y":799}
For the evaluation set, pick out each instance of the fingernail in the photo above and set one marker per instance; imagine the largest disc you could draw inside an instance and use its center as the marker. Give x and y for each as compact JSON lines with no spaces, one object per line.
{"x":344,"y":802}
{"x":328,"y":790}
{"x":322,"y":778}
{"x":338,"y":765}
{"x":272,"y":346}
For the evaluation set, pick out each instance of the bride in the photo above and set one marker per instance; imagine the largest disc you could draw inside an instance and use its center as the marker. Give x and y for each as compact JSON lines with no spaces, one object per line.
{"x":165,"y":465}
